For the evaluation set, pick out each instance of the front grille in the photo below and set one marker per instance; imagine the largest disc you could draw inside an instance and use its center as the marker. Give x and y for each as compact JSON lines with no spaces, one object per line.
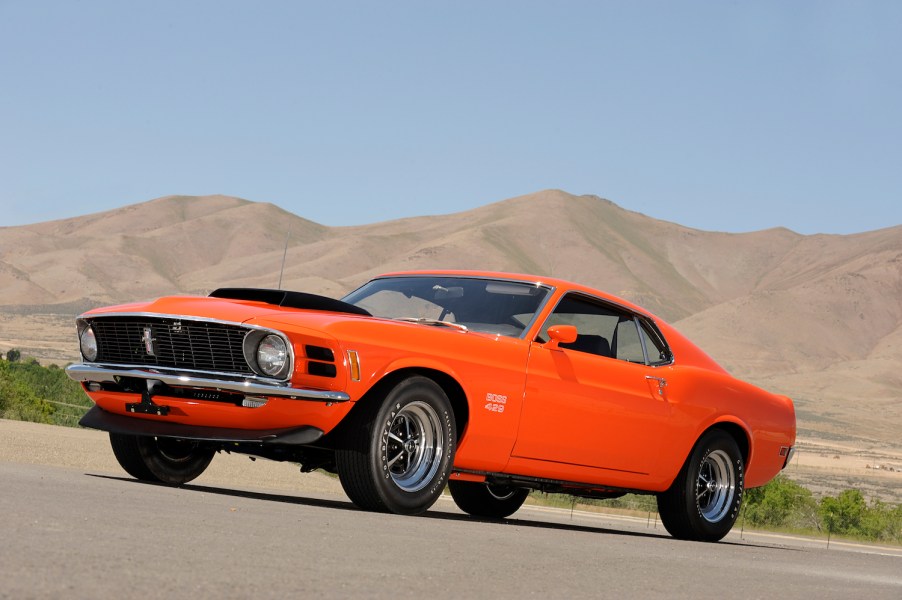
{"x":171,"y":343}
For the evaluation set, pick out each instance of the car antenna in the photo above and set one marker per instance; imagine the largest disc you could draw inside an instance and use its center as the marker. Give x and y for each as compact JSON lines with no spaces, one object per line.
{"x":284,"y":254}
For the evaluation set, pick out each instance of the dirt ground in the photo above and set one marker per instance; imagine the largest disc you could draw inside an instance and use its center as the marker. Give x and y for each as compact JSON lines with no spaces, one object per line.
{"x":50,"y":338}
{"x":827,"y":467}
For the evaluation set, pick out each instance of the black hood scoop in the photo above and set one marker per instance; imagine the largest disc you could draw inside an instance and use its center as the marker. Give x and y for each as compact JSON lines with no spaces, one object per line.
{"x":289,"y":299}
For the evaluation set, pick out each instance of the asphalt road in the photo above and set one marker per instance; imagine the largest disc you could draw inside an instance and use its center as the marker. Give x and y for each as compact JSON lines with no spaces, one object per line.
{"x":74,"y":532}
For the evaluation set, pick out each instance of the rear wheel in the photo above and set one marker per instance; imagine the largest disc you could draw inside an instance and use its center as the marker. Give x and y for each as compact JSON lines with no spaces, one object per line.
{"x":704,"y":500}
{"x":160,"y":460}
{"x":487,"y":500}
{"x":400,"y":451}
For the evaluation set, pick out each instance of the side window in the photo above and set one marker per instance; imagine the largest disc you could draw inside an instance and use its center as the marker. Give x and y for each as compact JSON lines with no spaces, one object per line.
{"x":606,"y":330}
{"x":658,"y":351}
{"x":627,"y":344}
{"x":595,"y":324}
{"x":602,"y":329}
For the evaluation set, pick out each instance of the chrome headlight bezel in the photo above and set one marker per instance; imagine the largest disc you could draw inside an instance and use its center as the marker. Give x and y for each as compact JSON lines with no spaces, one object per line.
{"x":269,"y":354}
{"x":87,"y":343}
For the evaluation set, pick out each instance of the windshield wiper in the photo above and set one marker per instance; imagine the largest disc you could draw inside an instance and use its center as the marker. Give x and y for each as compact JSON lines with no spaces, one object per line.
{"x":435,"y":322}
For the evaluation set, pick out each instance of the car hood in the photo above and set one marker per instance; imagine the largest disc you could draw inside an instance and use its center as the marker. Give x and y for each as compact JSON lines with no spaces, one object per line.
{"x":227,"y":310}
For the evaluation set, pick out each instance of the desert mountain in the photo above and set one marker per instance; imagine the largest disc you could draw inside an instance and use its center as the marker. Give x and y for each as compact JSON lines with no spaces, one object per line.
{"x":816,"y":317}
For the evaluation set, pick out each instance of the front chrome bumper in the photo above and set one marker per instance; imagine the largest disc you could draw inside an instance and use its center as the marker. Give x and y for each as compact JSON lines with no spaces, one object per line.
{"x":87,"y":373}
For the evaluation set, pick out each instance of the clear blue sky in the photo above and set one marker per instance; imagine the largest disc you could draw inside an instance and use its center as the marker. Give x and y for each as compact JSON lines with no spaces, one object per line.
{"x":728,"y":116}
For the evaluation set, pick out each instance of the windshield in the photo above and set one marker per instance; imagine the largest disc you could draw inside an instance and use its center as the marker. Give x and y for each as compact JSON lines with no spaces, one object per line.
{"x":487,"y":305}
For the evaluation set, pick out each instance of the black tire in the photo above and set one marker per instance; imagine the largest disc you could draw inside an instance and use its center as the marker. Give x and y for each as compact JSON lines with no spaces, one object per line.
{"x":160,"y":460}
{"x":400,"y":451}
{"x":487,"y":500}
{"x":704,"y":500}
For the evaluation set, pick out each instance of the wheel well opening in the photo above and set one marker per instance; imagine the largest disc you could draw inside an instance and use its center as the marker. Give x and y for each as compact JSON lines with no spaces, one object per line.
{"x":449,"y":385}
{"x":739,"y":435}
{"x":456,"y":396}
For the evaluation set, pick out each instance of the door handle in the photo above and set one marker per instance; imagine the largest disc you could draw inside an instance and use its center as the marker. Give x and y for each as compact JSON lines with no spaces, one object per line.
{"x":656,"y":385}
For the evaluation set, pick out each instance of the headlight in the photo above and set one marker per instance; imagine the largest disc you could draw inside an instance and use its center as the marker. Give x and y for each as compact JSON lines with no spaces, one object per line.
{"x":88,"y":342}
{"x":272,"y":355}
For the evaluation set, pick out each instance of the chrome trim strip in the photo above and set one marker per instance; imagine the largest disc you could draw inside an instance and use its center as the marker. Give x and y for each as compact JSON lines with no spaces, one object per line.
{"x":83,"y":372}
{"x":538,"y":282}
{"x":789,"y":455}
{"x":93,"y":315}
{"x":217,"y":375}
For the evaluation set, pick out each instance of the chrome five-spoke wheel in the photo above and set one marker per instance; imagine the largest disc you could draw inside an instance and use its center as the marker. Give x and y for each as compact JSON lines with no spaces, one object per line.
{"x":715,"y":486}
{"x":414,"y":446}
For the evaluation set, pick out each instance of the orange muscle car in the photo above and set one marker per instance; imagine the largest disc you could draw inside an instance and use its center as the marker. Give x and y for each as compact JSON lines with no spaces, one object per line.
{"x":492,"y":384}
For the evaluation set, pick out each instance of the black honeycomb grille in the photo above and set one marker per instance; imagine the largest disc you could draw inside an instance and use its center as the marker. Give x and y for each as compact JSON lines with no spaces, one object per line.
{"x":173,"y":343}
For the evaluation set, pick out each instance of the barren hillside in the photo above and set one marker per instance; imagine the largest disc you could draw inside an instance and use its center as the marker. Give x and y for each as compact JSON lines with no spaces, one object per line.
{"x":816,"y":317}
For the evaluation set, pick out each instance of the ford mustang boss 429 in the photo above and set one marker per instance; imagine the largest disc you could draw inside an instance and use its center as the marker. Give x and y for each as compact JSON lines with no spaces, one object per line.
{"x":492,"y":384}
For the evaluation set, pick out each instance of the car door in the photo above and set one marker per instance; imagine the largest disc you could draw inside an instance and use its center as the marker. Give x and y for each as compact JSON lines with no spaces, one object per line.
{"x":596,"y":402}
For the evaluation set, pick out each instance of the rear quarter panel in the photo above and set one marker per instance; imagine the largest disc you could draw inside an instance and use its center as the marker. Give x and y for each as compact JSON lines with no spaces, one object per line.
{"x":703,"y":399}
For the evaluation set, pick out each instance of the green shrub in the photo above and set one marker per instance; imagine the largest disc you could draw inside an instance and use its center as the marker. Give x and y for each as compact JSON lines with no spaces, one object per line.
{"x":784,"y":504}
{"x":780,"y":503}
{"x":849,"y":514}
{"x":30,"y":392}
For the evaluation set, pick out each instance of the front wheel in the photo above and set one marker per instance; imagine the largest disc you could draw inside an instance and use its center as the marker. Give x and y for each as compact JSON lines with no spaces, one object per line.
{"x":704,"y":500}
{"x":160,"y":460}
{"x":400,"y":451}
{"x":487,"y":500}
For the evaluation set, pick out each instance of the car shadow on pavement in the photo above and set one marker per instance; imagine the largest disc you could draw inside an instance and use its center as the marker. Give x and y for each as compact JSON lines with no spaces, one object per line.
{"x":433,"y":513}
{"x":239,"y":493}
